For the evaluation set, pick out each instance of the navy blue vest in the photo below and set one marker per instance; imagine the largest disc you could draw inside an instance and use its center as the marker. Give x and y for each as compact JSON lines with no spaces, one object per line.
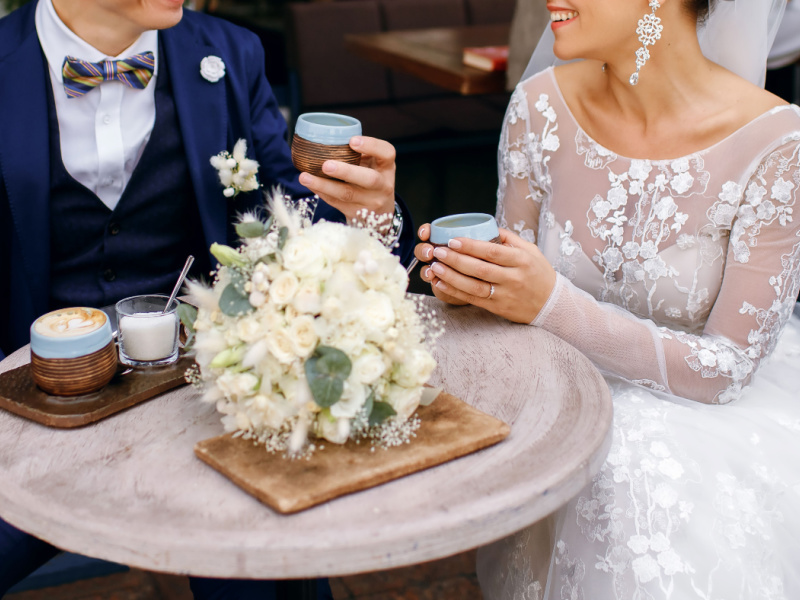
{"x":99,"y":256}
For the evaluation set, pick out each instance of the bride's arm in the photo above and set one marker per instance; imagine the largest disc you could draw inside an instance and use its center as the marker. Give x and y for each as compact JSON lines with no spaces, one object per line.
{"x":521,"y":170}
{"x":758,"y":293}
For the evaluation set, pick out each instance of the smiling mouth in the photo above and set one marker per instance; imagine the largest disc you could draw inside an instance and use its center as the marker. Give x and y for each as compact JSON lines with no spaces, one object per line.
{"x":562,"y":15}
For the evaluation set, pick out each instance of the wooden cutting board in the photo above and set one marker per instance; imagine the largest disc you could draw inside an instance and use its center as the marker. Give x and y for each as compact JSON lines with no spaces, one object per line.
{"x":19,"y":395}
{"x":450,"y":428}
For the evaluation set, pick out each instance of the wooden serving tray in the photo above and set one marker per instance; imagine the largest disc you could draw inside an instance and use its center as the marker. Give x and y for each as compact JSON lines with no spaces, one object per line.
{"x":19,"y":395}
{"x":450,"y":429}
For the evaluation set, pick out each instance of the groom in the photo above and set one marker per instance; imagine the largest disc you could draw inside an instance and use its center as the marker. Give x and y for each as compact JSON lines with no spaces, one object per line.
{"x":106,"y":188}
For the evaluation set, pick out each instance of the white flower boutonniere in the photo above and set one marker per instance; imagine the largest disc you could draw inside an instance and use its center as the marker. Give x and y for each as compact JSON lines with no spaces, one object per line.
{"x":236,"y":172}
{"x":212,"y":68}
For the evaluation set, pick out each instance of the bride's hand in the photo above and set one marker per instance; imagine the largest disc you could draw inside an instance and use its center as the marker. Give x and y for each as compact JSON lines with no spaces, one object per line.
{"x":424,"y":253}
{"x":512,"y":279}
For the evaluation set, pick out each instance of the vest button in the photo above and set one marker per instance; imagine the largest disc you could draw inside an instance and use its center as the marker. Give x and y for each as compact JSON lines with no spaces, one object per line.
{"x":113,"y":229}
{"x":109,"y":275}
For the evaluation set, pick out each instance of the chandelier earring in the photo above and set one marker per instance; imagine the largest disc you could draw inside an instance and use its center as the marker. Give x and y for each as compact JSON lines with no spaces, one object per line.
{"x":649,"y":30}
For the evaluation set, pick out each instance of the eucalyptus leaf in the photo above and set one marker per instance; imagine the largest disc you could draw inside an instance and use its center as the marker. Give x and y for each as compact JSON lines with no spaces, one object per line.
{"x":380,"y":412}
{"x":188,"y":315}
{"x":326,"y":371}
{"x":283,"y":235}
{"x":367,"y":408}
{"x":233,"y":303}
{"x":250,"y":229}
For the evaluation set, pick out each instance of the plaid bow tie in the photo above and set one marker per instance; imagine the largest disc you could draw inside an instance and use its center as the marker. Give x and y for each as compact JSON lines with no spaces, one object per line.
{"x":81,"y":76}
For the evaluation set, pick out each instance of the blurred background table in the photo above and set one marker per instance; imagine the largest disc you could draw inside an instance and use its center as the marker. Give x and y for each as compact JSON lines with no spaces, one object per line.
{"x":435,"y":55}
{"x":129,"y":488}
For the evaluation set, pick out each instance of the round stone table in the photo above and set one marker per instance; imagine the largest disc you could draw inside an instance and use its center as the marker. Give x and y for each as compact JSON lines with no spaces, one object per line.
{"x":129,"y":488}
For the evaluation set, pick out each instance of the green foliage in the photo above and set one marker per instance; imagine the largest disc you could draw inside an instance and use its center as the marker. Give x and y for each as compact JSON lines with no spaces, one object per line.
{"x":13,"y":4}
{"x":250,"y":229}
{"x":380,"y":412}
{"x":326,"y":372}
{"x":235,"y":301}
{"x":188,"y":315}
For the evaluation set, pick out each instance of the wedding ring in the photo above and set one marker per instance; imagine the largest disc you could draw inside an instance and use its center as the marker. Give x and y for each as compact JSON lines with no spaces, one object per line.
{"x":491,"y":291}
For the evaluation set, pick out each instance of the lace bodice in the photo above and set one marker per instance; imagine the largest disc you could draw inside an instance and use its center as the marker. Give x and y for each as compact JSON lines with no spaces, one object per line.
{"x":675,"y":274}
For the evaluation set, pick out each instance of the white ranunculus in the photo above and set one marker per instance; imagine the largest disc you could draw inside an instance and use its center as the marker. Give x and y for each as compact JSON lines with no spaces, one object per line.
{"x":281,"y":346}
{"x":303,"y":335}
{"x":303,"y":256}
{"x":284,"y":288}
{"x":308,"y":299}
{"x":369,"y":365}
{"x":416,"y":369}
{"x":403,"y":400}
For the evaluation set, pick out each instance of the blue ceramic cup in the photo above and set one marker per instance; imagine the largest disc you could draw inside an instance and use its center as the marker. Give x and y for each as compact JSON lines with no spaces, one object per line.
{"x":70,"y":333}
{"x":72,"y":351}
{"x":324,"y":136}
{"x":476,"y":226}
{"x":328,"y":129}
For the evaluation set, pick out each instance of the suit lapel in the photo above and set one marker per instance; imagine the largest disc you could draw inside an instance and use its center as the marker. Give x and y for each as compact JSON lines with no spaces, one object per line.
{"x":202,"y":115}
{"x":25,"y":160}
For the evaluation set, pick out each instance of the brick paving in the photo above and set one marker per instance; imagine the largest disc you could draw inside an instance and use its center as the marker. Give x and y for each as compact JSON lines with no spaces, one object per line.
{"x":448,"y":579}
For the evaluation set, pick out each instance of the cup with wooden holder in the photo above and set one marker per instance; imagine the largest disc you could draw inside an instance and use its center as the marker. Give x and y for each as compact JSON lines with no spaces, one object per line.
{"x":323,"y":136}
{"x":74,"y":378}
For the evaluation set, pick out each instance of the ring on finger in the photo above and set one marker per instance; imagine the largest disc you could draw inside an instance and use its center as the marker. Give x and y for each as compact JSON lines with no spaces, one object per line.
{"x":491,"y":291}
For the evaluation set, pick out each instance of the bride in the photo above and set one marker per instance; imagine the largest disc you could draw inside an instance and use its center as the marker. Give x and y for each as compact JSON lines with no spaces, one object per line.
{"x":649,"y":197}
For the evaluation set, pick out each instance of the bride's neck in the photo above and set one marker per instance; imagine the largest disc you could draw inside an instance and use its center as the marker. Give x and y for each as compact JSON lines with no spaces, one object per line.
{"x":676,"y":75}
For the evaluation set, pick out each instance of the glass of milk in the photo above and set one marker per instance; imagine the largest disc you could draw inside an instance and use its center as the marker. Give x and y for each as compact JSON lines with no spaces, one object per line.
{"x":148,"y":334}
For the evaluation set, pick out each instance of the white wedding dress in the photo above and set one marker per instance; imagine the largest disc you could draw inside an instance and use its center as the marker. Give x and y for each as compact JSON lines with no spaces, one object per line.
{"x":677,"y":278}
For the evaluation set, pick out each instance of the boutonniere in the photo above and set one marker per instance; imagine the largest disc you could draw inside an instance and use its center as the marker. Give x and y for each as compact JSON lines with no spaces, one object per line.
{"x":236,"y":172}
{"x":212,"y":68}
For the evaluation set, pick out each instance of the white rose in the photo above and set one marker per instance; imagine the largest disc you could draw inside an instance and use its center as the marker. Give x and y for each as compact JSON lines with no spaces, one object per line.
{"x":369,"y":366}
{"x":212,"y":68}
{"x":281,"y":346}
{"x":250,"y":329}
{"x":377,"y":311}
{"x":308,"y":299}
{"x":273,"y":411}
{"x":284,"y":288}
{"x":332,"y":309}
{"x":343,"y":283}
{"x":403,"y":400}
{"x":332,"y":429}
{"x":303,"y":335}
{"x":243,"y":422}
{"x":352,"y":401}
{"x":416,"y":369}
{"x":237,"y":385}
{"x":303,"y":256}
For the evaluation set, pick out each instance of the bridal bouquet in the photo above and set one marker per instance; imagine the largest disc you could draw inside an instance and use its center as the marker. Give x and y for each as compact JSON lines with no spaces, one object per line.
{"x":307,"y":331}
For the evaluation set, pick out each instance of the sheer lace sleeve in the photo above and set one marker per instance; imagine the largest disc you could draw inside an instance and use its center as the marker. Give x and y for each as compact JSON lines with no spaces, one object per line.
{"x":522,"y":168}
{"x":758,"y":292}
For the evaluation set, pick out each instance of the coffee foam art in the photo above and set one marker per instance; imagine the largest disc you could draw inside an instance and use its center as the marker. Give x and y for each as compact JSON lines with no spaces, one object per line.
{"x":70,"y":322}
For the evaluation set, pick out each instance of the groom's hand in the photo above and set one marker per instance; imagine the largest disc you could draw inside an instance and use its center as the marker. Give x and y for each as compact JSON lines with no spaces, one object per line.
{"x":369,"y":185}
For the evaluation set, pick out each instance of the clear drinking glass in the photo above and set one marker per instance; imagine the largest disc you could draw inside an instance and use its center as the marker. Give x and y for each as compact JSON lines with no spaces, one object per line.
{"x":148,"y":335}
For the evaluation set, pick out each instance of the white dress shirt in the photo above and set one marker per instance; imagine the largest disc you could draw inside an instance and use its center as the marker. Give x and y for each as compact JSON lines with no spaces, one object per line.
{"x":103,"y":133}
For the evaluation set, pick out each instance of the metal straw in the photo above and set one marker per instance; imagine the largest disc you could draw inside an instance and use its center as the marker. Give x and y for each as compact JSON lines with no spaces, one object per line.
{"x":178,"y":285}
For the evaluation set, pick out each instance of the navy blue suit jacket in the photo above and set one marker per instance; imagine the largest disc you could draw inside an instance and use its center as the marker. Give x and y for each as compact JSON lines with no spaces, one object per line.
{"x":212,"y":117}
